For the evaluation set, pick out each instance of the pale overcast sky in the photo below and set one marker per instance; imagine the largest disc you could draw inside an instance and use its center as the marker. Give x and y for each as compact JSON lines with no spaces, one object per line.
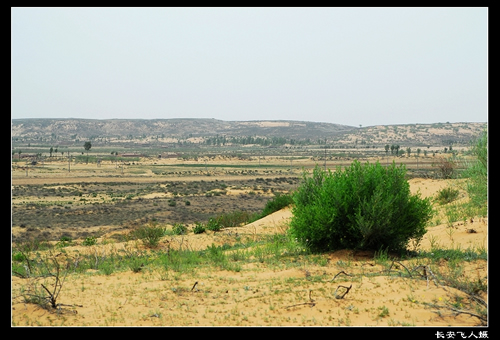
{"x":349,"y":66}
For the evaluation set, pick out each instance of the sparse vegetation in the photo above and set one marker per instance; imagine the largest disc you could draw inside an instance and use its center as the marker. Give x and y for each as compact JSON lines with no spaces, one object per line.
{"x":45,"y":276}
{"x":447,"y":195}
{"x":276,"y":251}
{"x":199,"y":228}
{"x":179,"y":229}
{"x":89,"y":241}
{"x":104,"y":247}
{"x":278,"y":202}
{"x":446,"y":167}
{"x":150,"y":234}
{"x":477,"y":174}
{"x":213,"y":225}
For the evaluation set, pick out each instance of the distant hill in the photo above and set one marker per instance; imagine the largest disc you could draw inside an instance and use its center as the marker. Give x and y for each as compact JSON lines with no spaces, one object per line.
{"x":81,"y":129}
{"x":177,"y":128}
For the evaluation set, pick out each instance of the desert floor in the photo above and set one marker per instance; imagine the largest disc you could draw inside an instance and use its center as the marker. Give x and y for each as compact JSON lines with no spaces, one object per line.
{"x":291,"y":292}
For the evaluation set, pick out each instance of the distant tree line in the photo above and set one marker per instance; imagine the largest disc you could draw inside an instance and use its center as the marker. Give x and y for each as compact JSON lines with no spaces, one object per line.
{"x":246,"y":140}
{"x":394,"y":148}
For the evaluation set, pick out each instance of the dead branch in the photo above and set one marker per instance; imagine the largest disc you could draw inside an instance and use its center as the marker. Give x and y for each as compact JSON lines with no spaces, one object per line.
{"x":345,"y":293}
{"x":312,"y":304}
{"x":459,"y":311}
{"x":103,"y":257}
{"x":342,"y":272}
{"x":22,"y":276}
{"x":392,"y":264}
{"x":58,"y":283}
{"x":425,"y":274}
{"x":478,"y":300}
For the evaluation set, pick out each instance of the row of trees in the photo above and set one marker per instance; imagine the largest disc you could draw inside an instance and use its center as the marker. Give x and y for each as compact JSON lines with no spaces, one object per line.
{"x":395,"y":150}
{"x":262,"y":141}
{"x":87,"y":146}
{"x":393,"y":147}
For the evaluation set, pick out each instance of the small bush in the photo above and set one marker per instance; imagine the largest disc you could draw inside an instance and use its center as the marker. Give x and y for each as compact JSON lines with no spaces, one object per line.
{"x":136,"y":264}
{"x":446,"y":167}
{"x":199,"y":228}
{"x":216,"y":253}
{"x":18,"y":257}
{"x":447,"y":195}
{"x":179,"y":229}
{"x":90,"y":241}
{"x":361,"y":207}
{"x":213,"y":225}
{"x":150,"y":235}
{"x":64,"y":241}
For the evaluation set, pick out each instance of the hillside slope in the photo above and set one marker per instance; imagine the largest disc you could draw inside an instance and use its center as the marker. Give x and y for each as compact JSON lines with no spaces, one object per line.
{"x":58,"y":131}
{"x":180,"y":128}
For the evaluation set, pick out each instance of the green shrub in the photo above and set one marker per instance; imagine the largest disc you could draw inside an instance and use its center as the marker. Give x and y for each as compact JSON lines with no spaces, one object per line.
{"x":179,"y":229}
{"x":18,"y":257}
{"x":361,"y":207}
{"x":447,"y":195}
{"x":216,"y":254}
{"x":107,"y":268}
{"x":33,"y":245}
{"x":213,"y":225}
{"x":150,"y":235}
{"x":64,"y":241}
{"x":136,"y":264}
{"x":278,"y":202}
{"x":90,"y":241}
{"x":199,"y":228}
{"x":477,"y":174}
{"x":233,"y":219}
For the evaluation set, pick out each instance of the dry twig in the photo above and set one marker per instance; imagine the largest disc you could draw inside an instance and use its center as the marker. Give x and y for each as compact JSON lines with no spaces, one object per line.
{"x":459,"y":311}
{"x":409,"y":273}
{"x":342,"y":272}
{"x":345,"y":293}
{"x":312,"y":304}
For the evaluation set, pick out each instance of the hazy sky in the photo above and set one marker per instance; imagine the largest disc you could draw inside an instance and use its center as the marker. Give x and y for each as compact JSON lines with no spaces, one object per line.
{"x":350,"y":66}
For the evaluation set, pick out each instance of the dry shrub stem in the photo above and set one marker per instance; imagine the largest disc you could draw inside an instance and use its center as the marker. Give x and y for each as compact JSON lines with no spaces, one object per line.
{"x":341,"y":296}
{"x":312,"y":304}
{"x":459,"y":311}
{"x":342,"y":272}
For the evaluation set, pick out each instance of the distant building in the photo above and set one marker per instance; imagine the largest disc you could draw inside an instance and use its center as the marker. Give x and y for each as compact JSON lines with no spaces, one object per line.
{"x":169,"y":155}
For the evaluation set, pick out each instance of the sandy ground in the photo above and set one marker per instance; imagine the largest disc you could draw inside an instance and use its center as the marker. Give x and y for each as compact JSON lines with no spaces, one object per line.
{"x":56,"y":172}
{"x":260,"y":294}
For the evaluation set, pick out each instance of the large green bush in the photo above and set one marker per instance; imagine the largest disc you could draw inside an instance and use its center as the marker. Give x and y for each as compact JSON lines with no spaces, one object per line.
{"x":364,"y":206}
